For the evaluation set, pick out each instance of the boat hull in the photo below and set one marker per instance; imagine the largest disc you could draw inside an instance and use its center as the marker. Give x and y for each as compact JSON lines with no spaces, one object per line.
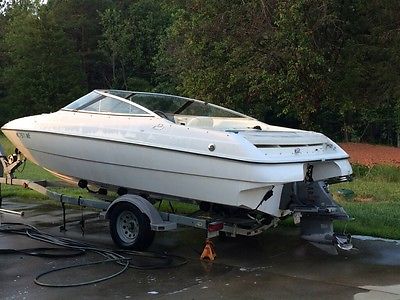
{"x":163,"y":171}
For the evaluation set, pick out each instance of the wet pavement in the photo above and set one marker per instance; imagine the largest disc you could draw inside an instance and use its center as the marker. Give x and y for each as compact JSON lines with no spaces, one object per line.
{"x":274,"y":265}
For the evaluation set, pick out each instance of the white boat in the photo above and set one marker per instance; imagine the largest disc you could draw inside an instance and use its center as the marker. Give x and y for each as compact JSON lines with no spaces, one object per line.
{"x":182,"y":148}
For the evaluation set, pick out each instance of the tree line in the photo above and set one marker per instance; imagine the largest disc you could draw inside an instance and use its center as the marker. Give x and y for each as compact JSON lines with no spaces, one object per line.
{"x":325,"y":65}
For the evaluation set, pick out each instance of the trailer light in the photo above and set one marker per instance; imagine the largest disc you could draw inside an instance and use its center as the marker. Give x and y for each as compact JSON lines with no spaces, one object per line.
{"x":215,"y":226}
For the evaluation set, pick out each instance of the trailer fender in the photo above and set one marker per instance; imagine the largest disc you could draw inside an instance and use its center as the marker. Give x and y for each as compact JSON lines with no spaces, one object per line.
{"x":156,"y":222}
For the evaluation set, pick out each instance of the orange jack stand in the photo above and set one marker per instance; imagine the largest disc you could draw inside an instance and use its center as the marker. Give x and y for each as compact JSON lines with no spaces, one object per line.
{"x":209,"y":251}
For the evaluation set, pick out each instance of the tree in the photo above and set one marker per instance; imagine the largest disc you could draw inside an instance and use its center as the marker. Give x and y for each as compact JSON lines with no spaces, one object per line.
{"x":256,"y":56}
{"x":80,"y":21}
{"x":131,"y":40}
{"x":321,"y":64}
{"x":43,"y":72}
{"x":210,"y":52}
{"x":367,"y":78}
{"x":116,"y":42}
{"x":3,"y":104}
{"x":331,"y":65}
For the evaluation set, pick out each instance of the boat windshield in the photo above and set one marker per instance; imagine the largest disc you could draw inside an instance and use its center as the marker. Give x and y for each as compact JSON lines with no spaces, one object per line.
{"x":140,"y":103}
{"x":174,"y":105}
{"x":95,"y":102}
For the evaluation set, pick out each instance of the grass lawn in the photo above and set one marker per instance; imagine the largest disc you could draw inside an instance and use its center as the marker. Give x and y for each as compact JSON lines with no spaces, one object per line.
{"x":375,"y":204}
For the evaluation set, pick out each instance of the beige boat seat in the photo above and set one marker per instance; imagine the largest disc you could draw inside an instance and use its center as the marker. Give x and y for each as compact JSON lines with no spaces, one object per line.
{"x":201,"y":122}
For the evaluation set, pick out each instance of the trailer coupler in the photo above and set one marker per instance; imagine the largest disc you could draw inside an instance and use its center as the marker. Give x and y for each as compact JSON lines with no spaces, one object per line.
{"x":10,"y":163}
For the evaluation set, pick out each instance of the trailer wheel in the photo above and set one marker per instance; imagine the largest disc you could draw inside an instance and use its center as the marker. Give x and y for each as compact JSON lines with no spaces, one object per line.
{"x":130,"y":228}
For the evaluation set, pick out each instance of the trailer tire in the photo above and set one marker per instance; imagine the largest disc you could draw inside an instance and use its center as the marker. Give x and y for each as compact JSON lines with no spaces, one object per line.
{"x":130,"y":228}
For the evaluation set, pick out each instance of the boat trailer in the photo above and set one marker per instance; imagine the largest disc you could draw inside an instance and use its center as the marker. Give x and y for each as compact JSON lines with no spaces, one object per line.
{"x":133,"y":219}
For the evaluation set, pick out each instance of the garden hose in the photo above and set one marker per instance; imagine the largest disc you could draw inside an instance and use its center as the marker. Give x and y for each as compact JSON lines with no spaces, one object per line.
{"x":66,"y":248}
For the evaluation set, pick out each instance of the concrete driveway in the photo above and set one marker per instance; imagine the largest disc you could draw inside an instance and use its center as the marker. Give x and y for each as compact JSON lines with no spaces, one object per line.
{"x":274,"y":265}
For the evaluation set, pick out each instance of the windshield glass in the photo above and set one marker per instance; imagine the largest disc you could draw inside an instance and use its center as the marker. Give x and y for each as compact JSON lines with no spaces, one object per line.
{"x":154,"y":102}
{"x":137,"y":103}
{"x":88,"y":98}
{"x":112,"y":105}
{"x":98,"y":103}
{"x":179,"y":105}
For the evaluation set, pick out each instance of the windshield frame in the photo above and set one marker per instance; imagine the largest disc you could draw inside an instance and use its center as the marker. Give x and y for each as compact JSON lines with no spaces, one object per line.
{"x":188,"y":103}
{"x":103,"y":94}
{"x":180,"y":111}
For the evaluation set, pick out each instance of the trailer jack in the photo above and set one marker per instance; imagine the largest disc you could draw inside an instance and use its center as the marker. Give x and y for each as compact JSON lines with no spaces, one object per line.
{"x":208,"y":251}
